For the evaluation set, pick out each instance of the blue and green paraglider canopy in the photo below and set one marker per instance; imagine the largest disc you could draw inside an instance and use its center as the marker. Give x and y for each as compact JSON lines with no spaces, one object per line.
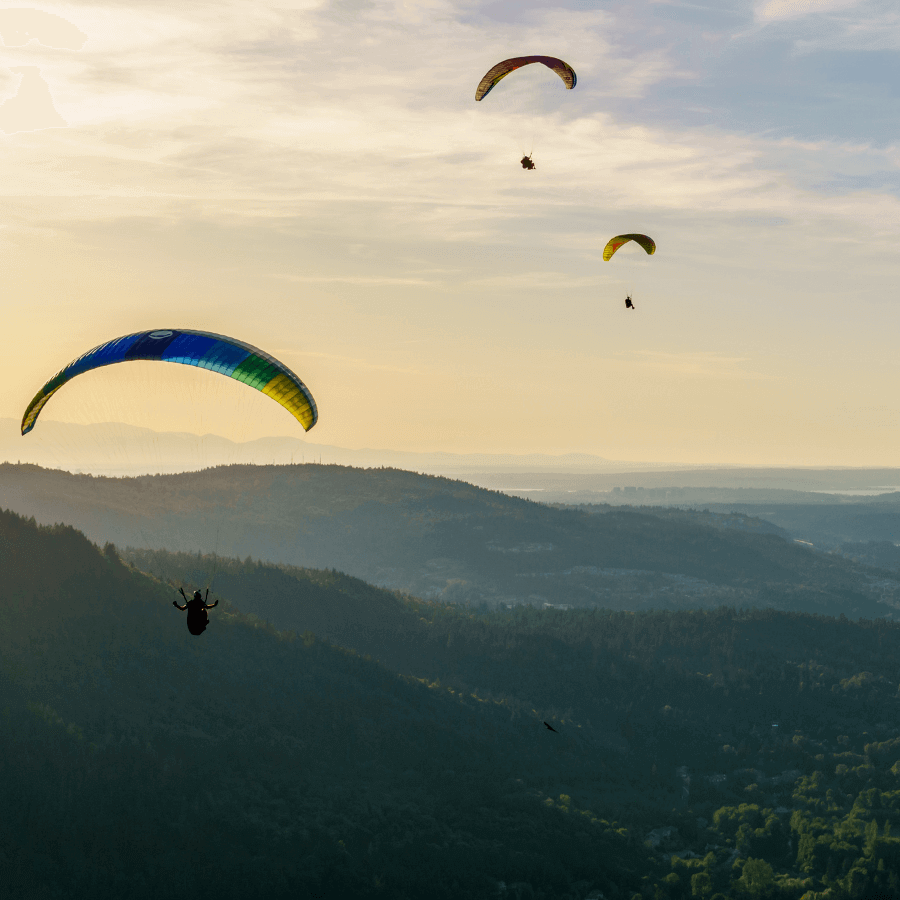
{"x":225,"y":355}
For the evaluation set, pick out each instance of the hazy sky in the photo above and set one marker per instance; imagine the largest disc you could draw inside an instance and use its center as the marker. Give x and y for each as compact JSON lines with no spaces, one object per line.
{"x":316,"y":178}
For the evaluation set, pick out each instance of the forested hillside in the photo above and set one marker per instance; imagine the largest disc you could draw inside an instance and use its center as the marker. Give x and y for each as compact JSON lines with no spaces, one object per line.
{"x":449,"y":540}
{"x":701,"y":754}
{"x":310,"y":768}
{"x":139,"y":761}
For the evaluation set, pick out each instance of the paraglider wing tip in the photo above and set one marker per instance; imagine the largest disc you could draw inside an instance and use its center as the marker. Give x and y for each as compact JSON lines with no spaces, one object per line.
{"x":310,"y":423}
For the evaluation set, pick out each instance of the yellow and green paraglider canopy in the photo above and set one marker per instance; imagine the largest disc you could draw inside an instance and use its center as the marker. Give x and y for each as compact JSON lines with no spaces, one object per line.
{"x":614,"y":243}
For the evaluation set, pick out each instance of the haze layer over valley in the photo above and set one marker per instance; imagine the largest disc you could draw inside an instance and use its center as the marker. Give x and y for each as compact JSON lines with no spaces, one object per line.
{"x":438,"y":538}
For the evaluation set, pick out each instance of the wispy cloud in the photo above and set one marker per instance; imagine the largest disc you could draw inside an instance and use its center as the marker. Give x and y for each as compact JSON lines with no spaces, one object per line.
{"x":351,"y":279}
{"x":696,"y":364}
{"x":774,"y":10}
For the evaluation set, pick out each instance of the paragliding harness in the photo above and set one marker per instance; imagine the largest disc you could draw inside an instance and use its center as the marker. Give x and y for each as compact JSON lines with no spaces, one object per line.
{"x":526,"y":162}
{"x":628,"y":303}
{"x":197,"y":617}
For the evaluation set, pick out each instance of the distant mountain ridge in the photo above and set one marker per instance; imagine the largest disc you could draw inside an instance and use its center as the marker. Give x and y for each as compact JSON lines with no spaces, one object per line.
{"x":85,"y":451}
{"x":121,"y":450}
{"x":439,"y":538}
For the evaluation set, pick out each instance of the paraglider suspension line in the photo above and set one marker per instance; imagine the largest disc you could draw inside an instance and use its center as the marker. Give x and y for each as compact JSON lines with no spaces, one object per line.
{"x":215,"y":563}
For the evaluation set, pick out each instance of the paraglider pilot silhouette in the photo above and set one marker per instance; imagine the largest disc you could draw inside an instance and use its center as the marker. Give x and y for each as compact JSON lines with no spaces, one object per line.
{"x":526,"y":162}
{"x":628,"y":303}
{"x":197,"y":617}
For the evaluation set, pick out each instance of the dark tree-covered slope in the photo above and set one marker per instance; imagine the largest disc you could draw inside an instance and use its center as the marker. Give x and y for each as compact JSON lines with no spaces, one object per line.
{"x":139,"y":761}
{"x":579,"y":660}
{"x":738,"y":754}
